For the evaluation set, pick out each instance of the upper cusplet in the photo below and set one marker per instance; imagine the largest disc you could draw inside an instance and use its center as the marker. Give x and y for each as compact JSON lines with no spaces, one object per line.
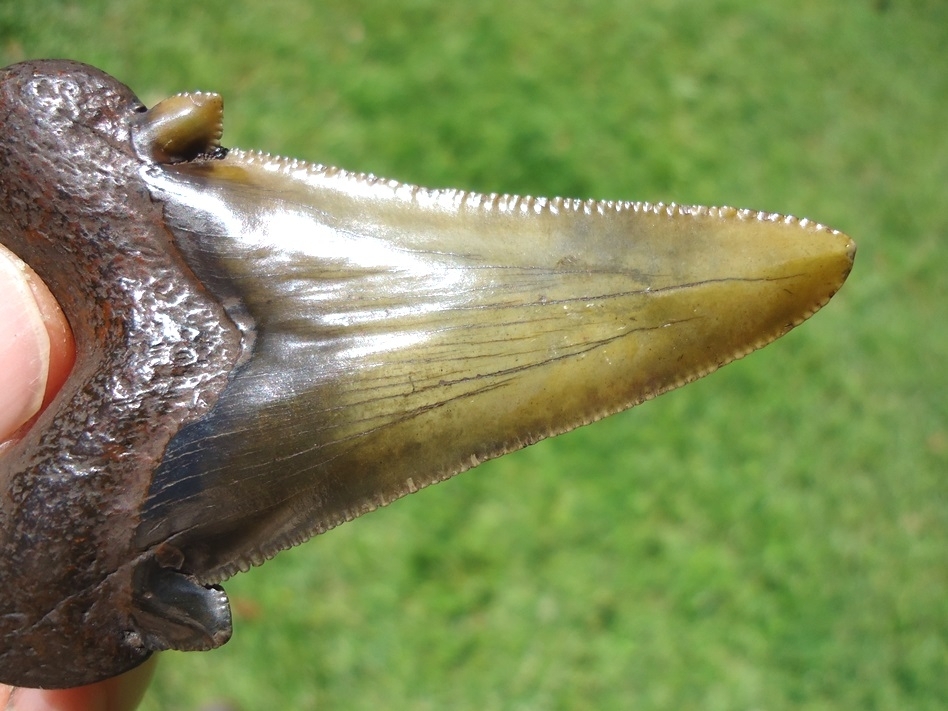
{"x":180,"y":128}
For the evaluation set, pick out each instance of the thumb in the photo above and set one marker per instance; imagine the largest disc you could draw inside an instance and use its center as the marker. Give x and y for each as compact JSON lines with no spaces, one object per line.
{"x":36,"y":346}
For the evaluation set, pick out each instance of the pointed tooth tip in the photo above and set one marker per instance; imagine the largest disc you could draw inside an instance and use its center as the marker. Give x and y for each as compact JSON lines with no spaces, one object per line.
{"x":850,"y":247}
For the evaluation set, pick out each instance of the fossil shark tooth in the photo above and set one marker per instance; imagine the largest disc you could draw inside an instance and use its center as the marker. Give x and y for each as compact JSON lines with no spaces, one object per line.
{"x":267,"y":348}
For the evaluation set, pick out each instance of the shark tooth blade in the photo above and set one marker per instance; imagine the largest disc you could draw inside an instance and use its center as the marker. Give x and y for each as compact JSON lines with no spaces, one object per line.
{"x":402,"y":335}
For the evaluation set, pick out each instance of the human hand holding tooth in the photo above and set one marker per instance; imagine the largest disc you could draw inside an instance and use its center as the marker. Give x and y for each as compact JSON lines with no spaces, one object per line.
{"x":267,"y":348}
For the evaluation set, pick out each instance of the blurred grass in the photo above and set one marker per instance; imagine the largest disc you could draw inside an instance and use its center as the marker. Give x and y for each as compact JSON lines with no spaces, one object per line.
{"x":772,"y":537}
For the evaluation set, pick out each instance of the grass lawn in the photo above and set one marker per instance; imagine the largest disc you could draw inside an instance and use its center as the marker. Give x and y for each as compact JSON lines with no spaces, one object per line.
{"x":773,"y":537}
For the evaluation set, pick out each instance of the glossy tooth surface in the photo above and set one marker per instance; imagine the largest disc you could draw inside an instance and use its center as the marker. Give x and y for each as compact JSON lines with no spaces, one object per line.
{"x":400,"y":335}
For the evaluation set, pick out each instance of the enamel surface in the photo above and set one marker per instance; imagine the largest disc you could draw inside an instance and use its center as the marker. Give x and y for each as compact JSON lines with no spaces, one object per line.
{"x":400,"y":335}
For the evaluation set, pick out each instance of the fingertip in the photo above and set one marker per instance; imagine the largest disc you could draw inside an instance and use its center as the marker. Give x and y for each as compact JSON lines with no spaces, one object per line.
{"x":121,"y":693}
{"x":24,"y":347}
{"x":62,"y":345}
{"x":37,"y":349}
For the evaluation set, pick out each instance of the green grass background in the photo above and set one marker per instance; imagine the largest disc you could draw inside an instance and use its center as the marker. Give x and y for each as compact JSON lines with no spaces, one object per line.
{"x":772,"y":537}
